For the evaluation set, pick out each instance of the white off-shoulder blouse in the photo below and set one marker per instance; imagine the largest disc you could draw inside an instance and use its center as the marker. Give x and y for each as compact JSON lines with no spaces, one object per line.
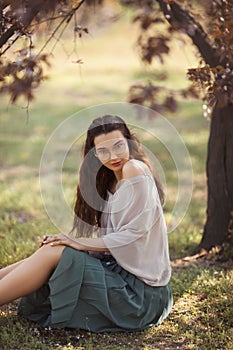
{"x":135,"y":229}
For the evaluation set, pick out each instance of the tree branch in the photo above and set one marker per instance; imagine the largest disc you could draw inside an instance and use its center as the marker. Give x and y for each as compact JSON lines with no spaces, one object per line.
{"x":25,"y":22}
{"x":66,"y":19}
{"x":4,"y":3}
{"x":28,"y":18}
{"x":6,"y":36}
{"x":182,"y":19}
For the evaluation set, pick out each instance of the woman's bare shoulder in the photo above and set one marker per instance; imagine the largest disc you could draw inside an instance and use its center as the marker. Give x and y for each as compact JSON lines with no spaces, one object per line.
{"x":133,"y":168}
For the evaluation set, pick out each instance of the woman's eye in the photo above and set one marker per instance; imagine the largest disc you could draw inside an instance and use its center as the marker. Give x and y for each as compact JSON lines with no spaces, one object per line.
{"x":102,"y":152}
{"x":119,"y":145}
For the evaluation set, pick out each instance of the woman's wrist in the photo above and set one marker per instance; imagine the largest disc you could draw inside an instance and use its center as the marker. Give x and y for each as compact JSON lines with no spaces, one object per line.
{"x":75,"y":243}
{"x":91,"y":244}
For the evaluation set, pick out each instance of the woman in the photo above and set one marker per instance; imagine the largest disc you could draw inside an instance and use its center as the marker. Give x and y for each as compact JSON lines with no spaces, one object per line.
{"x":113,"y":276}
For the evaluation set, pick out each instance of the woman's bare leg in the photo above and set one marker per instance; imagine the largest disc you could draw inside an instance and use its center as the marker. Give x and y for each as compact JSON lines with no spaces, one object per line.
{"x":31,"y":274}
{"x":5,"y":270}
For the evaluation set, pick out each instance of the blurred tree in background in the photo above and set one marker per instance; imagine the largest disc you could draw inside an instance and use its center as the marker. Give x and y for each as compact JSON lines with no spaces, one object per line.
{"x":207,"y":23}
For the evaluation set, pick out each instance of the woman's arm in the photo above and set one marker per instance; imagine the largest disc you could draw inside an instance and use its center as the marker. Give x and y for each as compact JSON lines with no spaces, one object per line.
{"x":84,"y":244}
{"x":130,"y":169}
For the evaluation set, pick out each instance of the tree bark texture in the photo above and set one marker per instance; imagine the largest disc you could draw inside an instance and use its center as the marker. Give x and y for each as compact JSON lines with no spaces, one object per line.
{"x":181,"y":19}
{"x":219,"y":178}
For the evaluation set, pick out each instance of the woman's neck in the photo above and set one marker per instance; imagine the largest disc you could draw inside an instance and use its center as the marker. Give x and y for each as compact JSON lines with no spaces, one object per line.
{"x":118,"y":175}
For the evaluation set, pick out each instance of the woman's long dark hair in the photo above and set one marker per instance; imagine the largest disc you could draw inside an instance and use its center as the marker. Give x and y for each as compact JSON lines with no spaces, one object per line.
{"x":95,"y":179}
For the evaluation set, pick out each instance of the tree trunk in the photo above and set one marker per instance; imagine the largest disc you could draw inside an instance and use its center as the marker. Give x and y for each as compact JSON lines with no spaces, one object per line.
{"x":219,"y":178}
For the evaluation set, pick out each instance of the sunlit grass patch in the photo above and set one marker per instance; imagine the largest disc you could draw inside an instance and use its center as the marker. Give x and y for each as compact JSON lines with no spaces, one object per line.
{"x":203,"y":306}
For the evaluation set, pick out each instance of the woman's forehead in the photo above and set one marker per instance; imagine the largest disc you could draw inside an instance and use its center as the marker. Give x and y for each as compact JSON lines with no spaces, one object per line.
{"x":109,"y":139}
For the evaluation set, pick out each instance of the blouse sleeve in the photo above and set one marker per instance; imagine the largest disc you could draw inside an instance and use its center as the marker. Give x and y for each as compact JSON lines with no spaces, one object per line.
{"x":134,"y":211}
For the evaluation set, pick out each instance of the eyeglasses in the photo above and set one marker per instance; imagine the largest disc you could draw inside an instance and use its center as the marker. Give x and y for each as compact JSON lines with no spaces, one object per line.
{"x":104,"y":154}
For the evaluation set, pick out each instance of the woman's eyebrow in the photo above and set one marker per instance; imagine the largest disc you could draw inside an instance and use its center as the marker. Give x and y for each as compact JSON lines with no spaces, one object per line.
{"x":102,"y":147}
{"x":118,"y":142}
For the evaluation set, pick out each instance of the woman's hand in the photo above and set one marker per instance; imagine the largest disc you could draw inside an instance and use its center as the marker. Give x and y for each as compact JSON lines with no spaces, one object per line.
{"x":61,"y":239}
{"x":85,"y":244}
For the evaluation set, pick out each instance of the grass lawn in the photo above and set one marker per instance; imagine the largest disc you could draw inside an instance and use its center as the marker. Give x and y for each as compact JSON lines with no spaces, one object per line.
{"x":202,"y":316}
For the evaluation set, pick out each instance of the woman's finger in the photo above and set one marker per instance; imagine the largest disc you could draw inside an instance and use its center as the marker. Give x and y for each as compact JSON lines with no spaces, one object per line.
{"x":48,"y":239}
{"x":51,"y":240}
{"x":60,"y":242}
{"x":43,"y":240}
{"x":57,"y":243}
{"x":60,"y":239}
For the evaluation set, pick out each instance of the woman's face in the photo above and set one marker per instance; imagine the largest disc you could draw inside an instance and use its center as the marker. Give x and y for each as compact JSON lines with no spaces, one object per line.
{"x":112,"y":150}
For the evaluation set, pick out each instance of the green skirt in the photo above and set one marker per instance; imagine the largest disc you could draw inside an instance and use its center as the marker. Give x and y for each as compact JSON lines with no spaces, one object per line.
{"x":96,"y":295}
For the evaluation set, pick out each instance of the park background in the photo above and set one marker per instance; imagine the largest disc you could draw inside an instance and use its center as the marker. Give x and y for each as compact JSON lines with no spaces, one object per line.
{"x":202,"y":314}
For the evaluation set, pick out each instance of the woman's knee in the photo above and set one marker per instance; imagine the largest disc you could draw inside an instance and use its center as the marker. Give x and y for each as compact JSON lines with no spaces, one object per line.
{"x":53,"y":253}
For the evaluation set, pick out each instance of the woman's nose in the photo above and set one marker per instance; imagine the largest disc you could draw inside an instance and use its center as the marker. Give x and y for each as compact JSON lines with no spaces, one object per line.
{"x":113,"y":155}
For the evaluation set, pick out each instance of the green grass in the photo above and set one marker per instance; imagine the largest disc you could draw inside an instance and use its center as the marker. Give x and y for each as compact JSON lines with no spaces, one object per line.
{"x":202,"y":316}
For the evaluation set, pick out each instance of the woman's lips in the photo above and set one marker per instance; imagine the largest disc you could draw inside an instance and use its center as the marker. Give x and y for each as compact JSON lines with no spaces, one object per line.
{"x":116,"y":164}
